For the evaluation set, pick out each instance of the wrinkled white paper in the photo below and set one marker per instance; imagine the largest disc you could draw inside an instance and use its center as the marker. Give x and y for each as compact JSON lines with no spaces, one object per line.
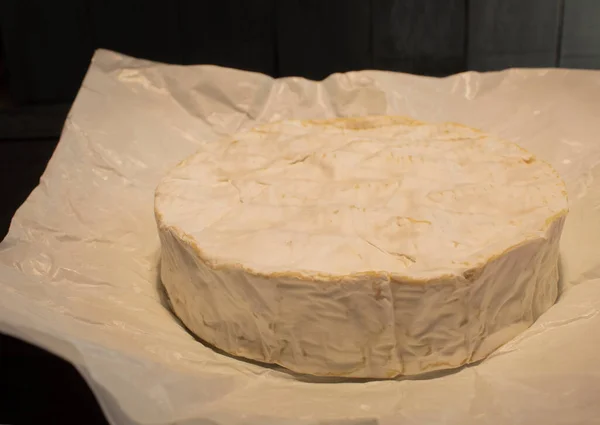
{"x":78,"y":270}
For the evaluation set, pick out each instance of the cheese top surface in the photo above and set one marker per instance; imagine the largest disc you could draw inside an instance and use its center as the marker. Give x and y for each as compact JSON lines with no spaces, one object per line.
{"x":350,"y":196}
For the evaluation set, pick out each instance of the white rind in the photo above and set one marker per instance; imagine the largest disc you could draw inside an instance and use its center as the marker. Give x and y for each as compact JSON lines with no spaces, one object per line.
{"x":374,"y":324}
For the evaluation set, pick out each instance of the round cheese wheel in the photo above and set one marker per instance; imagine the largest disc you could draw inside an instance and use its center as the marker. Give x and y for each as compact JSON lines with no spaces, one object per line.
{"x":360,"y":247}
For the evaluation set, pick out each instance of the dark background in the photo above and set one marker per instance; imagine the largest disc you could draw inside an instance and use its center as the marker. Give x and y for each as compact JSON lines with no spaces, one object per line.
{"x":46,"y":46}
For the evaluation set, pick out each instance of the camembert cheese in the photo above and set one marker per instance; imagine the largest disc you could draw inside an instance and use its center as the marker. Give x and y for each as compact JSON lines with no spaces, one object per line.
{"x":361,"y":247}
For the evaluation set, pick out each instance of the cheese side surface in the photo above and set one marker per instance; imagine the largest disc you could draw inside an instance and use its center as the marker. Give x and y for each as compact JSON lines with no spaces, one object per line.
{"x":360,"y":247}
